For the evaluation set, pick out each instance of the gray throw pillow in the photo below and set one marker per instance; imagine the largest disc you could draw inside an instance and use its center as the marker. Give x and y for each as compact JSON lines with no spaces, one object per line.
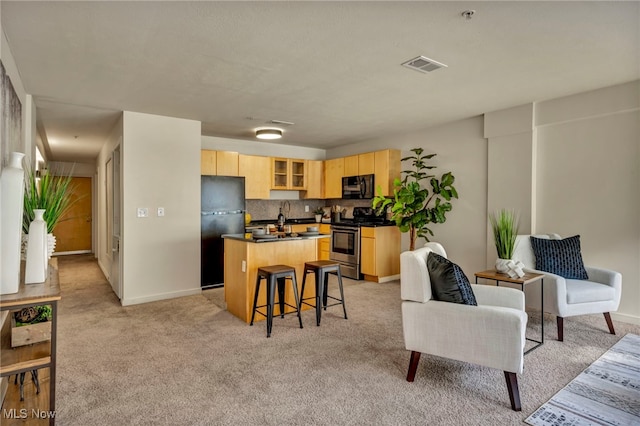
{"x":448,"y":281}
{"x":560,"y":257}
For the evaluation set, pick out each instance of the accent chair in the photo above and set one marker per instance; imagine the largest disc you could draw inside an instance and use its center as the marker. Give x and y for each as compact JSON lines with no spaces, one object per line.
{"x":491,"y":334}
{"x":598,"y":292}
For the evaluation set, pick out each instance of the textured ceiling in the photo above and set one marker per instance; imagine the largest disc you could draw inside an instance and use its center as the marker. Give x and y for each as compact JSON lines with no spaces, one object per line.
{"x":332,"y":68}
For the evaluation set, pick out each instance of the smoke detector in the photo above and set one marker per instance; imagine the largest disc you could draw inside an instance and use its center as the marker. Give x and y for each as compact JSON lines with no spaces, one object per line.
{"x":423,"y":64}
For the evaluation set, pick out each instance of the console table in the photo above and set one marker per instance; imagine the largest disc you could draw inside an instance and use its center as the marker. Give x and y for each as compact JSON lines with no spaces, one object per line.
{"x":35,"y":356}
{"x":528,"y":278}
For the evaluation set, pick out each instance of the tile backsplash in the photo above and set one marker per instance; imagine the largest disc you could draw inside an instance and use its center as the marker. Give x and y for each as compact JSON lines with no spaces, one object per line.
{"x":268,"y":209}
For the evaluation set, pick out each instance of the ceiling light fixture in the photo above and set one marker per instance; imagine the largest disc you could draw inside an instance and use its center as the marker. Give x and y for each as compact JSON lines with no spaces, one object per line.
{"x":269,"y":134}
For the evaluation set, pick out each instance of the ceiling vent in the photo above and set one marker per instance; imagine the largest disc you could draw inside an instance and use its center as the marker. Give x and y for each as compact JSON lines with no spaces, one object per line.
{"x":423,"y":64}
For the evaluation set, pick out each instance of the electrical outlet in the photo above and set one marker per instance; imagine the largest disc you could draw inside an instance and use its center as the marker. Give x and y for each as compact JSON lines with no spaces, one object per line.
{"x":244,"y":266}
{"x":160,"y":211}
{"x":143,"y":212}
{"x":306,"y":209}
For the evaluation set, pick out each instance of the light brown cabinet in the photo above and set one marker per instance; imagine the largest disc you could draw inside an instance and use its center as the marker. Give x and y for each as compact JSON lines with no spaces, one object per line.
{"x":288,"y":173}
{"x":218,"y":163}
{"x":333,"y":173}
{"x":257,"y":176}
{"x":386,"y":169}
{"x":380,"y":252}
{"x":361,"y":164}
{"x":315,"y":181}
{"x":351,"y":165}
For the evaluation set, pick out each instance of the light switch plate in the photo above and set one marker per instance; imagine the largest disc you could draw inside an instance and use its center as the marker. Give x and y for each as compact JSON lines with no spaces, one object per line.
{"x":143,"y":212}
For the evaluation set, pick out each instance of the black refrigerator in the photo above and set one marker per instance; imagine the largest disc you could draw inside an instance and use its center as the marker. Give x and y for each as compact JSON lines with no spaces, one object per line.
{"x":222,"y":211}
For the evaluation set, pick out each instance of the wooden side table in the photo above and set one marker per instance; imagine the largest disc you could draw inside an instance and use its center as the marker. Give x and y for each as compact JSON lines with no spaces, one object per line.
{"x":38,"y":355}
{"x":528,"y":278}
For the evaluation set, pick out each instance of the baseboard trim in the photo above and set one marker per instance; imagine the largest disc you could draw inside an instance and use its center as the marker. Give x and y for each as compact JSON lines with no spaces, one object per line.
{"x":161,"y":296}
{"x":64,"y":253}
{"x":630,"y":319}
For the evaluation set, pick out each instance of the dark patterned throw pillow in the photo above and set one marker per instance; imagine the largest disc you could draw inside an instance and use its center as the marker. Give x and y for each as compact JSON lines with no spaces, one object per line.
{"x":560,"y":257}
{"x":448,"y":281}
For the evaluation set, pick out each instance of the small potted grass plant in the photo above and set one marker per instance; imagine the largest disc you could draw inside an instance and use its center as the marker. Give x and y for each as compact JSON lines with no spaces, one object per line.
{"x":505,"y":226}
{"x":51,"y":192}
{"x":318,"y":212}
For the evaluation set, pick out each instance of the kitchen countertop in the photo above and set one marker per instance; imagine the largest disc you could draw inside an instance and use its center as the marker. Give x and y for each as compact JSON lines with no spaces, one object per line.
{"x":281,"y":238}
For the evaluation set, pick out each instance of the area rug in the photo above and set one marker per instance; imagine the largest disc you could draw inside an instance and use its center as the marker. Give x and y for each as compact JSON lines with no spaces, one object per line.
{"x":606,"y":393}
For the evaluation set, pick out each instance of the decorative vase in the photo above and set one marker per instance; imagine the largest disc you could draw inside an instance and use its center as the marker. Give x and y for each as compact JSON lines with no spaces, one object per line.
{"x":318,"y":218}
{"x":513,"y":268}
{"x":11,"y":202}
{"x":37,"y":250}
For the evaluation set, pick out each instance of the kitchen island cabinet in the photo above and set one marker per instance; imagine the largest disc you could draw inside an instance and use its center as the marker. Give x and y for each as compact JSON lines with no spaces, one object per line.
{"x":242,"y":258}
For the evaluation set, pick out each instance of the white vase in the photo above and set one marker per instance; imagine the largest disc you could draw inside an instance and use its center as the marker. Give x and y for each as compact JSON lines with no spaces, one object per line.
{"x":37,"y":250}
{"x":513,"y":268}
{"x":318,"y":218}
{"x":11,"y":203}
{"x":502,"y":265}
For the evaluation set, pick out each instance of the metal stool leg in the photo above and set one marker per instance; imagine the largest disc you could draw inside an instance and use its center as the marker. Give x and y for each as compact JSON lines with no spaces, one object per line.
{"x":270,"y":297}
{"x":255,"y":298}
{"x":344,"y":306}
{"x":281,"y":282}
{"x":320,"y":297}
{"x":294,"y":283}
{"x":325,"y":293}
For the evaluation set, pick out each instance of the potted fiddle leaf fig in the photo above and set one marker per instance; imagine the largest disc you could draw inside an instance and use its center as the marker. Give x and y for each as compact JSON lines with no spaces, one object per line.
{"x":413,"y":206}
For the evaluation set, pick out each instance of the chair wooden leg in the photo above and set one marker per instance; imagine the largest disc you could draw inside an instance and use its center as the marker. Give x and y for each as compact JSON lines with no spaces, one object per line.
{"x":514,"y":393}
{"x":560,"y":322}
{"x":413,"y":366}
{"x":607,"y":317}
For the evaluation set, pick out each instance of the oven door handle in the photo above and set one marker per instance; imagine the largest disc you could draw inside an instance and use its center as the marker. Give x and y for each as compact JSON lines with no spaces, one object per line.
{"x":345,"y":228}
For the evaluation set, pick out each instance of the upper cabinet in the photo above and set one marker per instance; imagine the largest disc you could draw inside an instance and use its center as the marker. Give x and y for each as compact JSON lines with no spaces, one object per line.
{"x":288,"y":173}
{"x":386,"y":169}
{"x":218,"y":163}
{"x":257,"y":176}
{"x":361,"y":164}
{"x":333,"y":173}
{"x":315,"y":181}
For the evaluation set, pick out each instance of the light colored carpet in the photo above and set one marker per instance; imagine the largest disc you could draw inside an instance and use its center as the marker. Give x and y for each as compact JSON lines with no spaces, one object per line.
{"x":606,"y":393}
{"x":188,"y":361}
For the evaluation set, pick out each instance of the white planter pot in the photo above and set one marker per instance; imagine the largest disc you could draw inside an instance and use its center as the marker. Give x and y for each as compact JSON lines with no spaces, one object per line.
{"x":11,"y":205}
{"x":515,"y":269}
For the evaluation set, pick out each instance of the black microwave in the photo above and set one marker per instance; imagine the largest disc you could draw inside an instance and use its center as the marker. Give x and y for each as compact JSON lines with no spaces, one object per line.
{"x":359,"y":187}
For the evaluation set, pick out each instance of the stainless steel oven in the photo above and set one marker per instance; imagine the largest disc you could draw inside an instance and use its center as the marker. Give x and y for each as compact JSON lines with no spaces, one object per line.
{"x":345,"y":249}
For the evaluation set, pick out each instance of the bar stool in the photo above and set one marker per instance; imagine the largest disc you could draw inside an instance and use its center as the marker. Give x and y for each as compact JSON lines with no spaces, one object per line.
{"x":275,"y":274}
{"x":322,"y":268}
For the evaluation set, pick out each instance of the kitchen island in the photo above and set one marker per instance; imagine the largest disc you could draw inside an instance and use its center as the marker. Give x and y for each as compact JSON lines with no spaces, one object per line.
{"x":243,"y":255}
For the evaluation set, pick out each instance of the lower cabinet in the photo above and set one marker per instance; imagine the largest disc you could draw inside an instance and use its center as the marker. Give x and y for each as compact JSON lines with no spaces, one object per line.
{"x":380,"y":253}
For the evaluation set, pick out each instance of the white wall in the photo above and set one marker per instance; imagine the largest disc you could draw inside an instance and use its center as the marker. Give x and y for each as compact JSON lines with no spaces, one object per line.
{"x":102,"y":253}
{"x":462,"y":149}
{"x":588,"y":180}
{"x":161,"y":256}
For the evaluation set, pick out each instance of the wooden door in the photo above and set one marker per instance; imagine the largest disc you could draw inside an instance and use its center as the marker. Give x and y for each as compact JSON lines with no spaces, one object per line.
{"x":73,"y":231}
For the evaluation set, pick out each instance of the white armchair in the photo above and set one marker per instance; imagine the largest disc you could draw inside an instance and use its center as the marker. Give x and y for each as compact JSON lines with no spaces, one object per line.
{"x":491,"y":334}
{"x":600,"y":294}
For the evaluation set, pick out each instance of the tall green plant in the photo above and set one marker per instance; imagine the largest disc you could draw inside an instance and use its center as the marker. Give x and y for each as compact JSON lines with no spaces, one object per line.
{"x":414,"y":207}
{"x":49,"y":192}
{"x":505,"y":230}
